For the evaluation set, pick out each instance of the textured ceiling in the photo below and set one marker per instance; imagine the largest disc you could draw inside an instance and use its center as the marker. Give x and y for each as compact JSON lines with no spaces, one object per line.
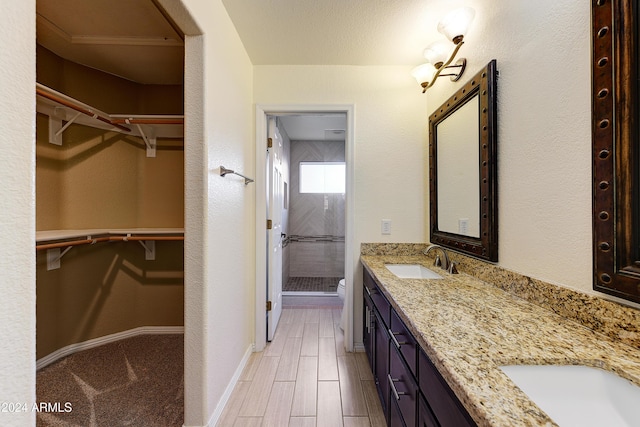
{"x":132,"y":38}
{"x":128,"y":38}
{"x":335,"y":32}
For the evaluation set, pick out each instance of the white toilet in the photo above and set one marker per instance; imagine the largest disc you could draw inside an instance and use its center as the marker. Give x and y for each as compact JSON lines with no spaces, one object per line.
{"x":340,"y":291}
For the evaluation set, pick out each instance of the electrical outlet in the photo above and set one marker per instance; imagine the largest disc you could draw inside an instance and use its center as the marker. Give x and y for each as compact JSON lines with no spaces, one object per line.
{"x":463,"y":226}
{"x":386,"y":226}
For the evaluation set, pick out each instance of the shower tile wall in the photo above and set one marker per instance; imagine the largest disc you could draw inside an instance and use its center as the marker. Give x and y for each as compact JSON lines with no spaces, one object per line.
{"x":316,"y":215}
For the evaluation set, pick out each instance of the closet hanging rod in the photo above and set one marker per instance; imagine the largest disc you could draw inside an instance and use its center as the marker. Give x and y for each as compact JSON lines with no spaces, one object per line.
{"x":71,"y":243}
{"x":82,"y":108}
{"x":133,"y":238}
{"x":224,"y":171}
{"x":105,"y":239}
{"x":149,"y":121}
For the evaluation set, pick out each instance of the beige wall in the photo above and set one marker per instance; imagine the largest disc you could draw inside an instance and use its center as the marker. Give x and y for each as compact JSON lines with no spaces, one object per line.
{"x":544,"y":140}
{"x":99,"y":179}
{"x":105,"y":289}
{"x":544,"y":133}
{"x":219,"y":212}
{"x":390,"y":145}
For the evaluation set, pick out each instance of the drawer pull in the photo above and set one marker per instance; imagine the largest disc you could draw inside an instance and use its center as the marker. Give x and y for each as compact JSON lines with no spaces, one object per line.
{"x":393,"y":338}
{"x":368,"y":291}
{"x":396,"y":393}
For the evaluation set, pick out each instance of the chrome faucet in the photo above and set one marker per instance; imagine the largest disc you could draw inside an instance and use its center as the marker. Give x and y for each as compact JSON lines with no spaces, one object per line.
{"x":447,"y":265}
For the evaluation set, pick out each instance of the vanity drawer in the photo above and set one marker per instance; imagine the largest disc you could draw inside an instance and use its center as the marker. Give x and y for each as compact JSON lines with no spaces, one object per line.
{"x":443,"y":402}
{"x":403,"y":390}
{"x":403,"y":340}
{"x":379,"y":300}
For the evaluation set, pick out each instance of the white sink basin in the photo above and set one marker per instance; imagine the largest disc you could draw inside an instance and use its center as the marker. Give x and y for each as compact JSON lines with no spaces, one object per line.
{"x":412,"y":271}
{"x":579,"y":395}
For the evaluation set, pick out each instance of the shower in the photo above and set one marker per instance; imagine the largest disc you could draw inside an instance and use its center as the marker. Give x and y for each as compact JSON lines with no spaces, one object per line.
{"x":314,"y":205}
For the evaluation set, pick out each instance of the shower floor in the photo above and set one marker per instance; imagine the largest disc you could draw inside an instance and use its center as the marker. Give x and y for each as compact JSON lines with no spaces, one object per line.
{"x":311,"y":284}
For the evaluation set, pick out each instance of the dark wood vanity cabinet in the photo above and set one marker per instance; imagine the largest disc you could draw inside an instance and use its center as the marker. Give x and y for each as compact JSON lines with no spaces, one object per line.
{"x":443,"y":402}
{"x":411,"y":390}
{"x":403,"y":390}
{"x":376,"y":338}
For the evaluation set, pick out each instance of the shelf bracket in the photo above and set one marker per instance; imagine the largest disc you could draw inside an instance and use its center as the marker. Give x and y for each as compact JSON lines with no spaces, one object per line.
{"x":149,"y":249}
{"x":149,"y":139}
{"x":55,"y":125}
{"x":54,"y":256}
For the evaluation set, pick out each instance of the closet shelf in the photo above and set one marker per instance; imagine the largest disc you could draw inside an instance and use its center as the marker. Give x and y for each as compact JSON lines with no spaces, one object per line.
{"x":54,"y":240}
{"x":60,"y":107}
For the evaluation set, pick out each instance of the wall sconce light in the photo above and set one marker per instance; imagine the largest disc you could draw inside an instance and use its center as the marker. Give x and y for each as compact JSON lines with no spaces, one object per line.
{"x":453,"y":26}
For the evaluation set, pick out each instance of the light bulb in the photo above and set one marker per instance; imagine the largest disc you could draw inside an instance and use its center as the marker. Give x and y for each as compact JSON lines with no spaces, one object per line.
{"x":423,"y":73}
{"x":454,"y":25}
{"x":437,"y":53}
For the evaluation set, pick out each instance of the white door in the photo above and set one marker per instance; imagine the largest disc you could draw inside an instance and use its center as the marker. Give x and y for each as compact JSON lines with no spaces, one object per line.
{"x":274,"y":235}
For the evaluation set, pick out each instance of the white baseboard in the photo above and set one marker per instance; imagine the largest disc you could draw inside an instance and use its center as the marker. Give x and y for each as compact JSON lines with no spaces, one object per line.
{"x":358,"y":347}
{"x":95,"y":342}
{"x":215,"y":417}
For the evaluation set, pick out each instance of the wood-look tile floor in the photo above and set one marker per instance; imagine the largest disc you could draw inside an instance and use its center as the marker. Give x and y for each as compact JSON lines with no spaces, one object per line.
{"x":304,"y":378}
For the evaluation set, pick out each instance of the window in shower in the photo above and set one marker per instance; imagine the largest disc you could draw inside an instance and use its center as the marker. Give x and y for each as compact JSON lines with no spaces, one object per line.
{"x":322,"y":177}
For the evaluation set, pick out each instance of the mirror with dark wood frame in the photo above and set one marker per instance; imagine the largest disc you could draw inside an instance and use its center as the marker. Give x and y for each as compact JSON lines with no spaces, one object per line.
{"x":463,"y":184}
{"x":615,"y":148}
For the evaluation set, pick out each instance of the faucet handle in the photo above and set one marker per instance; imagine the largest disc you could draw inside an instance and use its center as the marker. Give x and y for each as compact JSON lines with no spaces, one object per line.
{"x":452,"y":267}
{"x":437,"y":262}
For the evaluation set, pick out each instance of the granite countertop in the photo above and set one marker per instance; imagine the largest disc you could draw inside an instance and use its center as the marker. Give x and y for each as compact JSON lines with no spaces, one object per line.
{"x":469,"y":328}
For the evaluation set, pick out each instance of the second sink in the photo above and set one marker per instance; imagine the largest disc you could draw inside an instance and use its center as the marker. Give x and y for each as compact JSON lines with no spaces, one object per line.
{"x":579,"y":395}
{"x":412,"y":271}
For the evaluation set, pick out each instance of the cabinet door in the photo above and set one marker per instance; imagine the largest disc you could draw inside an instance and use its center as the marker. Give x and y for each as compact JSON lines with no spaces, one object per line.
{"x":368,"y":325}
{"x":381,"y":361}
{"x":425,"y":416}
{"x":395,"y":417}
{"x":442,"y":400}
{"x":403,"y":389}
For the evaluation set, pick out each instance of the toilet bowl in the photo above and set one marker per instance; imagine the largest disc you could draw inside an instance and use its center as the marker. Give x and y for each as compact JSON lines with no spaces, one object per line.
{"x":340,"y":290}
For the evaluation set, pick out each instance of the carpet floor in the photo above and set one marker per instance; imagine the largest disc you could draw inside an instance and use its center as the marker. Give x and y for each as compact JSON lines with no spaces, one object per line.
{"x":137,"y":381}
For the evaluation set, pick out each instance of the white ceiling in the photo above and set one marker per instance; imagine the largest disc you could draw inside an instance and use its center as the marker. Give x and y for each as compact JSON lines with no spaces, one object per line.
{"x":134,"y":40}
{"x":336,"y":32}
{"x":314,"y":127}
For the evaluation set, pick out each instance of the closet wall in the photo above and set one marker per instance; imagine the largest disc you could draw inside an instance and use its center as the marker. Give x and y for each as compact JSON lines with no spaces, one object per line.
{"x":103,"y":180}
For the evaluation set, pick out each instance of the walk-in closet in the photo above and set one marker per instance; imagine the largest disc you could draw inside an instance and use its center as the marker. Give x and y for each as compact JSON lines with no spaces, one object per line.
{"x":109,"y":213}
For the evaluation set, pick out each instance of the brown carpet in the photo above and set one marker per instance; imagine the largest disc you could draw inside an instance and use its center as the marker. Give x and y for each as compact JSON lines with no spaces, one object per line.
{"x":137,"y":381}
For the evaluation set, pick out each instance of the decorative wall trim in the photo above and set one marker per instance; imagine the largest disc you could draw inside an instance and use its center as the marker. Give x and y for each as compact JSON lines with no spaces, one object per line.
{"x":215,"y":417}
{"x":96,"y":342}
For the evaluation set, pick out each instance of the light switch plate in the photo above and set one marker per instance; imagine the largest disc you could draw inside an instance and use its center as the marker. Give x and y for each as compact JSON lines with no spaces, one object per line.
{"x":386,"y":226}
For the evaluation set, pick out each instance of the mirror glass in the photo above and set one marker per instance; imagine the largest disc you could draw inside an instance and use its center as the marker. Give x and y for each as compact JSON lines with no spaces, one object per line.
{"x":463,"y":169}
{"x":458,"y":171}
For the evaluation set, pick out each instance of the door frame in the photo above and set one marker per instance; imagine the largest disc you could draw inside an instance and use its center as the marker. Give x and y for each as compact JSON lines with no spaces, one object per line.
{"x":262,"y":110}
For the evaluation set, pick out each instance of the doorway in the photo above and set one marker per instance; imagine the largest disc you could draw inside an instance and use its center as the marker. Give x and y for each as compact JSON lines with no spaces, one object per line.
{"x":317,"y":242}
{"x":314,"y":215}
